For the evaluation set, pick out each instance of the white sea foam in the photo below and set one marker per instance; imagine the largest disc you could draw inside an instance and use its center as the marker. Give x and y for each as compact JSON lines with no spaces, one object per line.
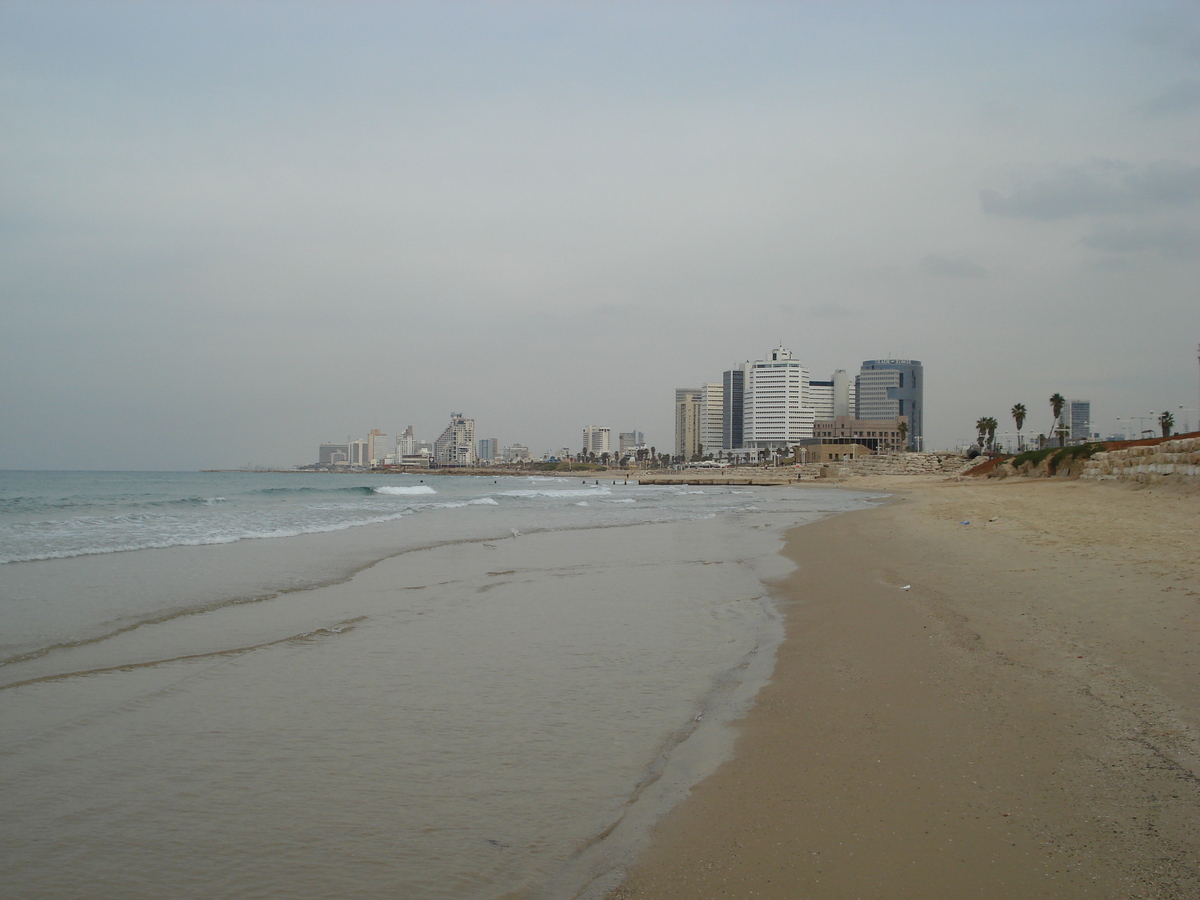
{"x":405,"y":491}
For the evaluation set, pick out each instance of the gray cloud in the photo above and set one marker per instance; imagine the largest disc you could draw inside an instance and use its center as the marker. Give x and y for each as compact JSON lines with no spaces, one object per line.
{"x":1098,"y":188}
{"x":830,"y":311}
{"x":1180,"y":98}
{"x":952,"y":267}
{"x":253,"y":231}
{"x":1177,"y":31}
{"x":1172,"y":241}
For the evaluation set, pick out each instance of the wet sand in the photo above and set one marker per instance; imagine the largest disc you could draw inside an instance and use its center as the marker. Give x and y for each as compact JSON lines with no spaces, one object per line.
{"x":1019,"y":721}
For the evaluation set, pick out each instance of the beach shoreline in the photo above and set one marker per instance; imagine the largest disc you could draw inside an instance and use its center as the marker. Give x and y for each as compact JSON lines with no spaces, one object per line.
{"x":987,"y":689}
{"x":465,"y":688}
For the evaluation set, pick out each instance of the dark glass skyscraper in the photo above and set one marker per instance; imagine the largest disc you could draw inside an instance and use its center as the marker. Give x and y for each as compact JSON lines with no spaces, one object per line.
{"x":734,"y":382}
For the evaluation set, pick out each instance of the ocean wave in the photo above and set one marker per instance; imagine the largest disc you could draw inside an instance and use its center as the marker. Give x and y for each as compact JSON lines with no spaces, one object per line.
{"x":48,"y":504}
{"x":406,"y":491}
{"x":150,"y":542}
{"x":478,"y":501}
{"x":550,"y":492}
{"x":351,"y":489}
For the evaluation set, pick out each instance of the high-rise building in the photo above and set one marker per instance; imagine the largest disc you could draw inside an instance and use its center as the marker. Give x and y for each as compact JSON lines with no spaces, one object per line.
{"x":775,"y":411}
{"x":357,"y":453}
{"x":331,"y":454}
{"x":597,"y":439}
{"x":888,"y":388}
{"x":406,"y":443}
{"x":820,"y":398}
{"x":631,"y":441}
{"x":487,"y":449}
{"x":843,"y":393}
{"x":733,"y":392}
{"x":1077,"y":415}
{"x":712,"y":402}
{"x":833,"y":398}
{"x":515,"y":452}
{"x":456,"y":446}
{"x":687,"y":421}
{"x":376,"y":446}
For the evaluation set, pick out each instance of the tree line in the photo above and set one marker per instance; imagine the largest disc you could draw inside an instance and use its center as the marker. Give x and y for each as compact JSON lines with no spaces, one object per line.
{"x":987,"y":425}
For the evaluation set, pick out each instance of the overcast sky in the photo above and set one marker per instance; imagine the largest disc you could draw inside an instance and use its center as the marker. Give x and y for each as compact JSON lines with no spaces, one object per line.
{"x":232,"y":231}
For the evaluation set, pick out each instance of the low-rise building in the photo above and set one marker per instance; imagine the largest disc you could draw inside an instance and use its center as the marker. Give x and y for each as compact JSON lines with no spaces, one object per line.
{"x":827,"y":453}
{"x":879,"y":435}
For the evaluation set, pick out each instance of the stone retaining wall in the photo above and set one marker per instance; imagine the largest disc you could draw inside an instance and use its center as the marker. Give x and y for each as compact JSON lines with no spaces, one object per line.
{"x":1171,"y":461}
{"x":890,"y":464}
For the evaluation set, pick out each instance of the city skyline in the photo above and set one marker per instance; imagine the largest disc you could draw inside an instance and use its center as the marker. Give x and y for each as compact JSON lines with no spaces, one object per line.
{"x":238,"y":230}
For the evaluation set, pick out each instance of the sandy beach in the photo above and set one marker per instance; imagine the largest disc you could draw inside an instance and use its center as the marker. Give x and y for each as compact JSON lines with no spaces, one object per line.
{"x":987,"y":689}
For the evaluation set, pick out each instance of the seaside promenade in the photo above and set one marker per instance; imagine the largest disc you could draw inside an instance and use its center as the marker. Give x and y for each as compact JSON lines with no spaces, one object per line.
{"x":988,"y":689}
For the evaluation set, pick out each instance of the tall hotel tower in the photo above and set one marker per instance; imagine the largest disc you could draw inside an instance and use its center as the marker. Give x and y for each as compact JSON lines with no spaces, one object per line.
{"x":776,"y":411}
{"x":887,"y":388}
{"x":597,"y":439}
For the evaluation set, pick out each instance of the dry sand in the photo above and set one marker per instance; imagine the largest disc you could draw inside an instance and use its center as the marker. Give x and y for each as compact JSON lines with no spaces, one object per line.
{"x":1020,"y":722}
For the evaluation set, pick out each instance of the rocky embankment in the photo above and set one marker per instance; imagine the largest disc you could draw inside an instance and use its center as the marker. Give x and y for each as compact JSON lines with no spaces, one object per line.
{"x":890,"y":464}
{"x":1160,"y":461}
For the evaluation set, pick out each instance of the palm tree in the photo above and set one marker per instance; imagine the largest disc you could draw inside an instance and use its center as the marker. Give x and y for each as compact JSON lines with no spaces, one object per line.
{"x":903,"y":429}
{"x":1057,"y":402}
{"x":1018,"y":414}
{"x":1166,"y":422}
{"x":981,"y":427}
{"x":992,"y":425}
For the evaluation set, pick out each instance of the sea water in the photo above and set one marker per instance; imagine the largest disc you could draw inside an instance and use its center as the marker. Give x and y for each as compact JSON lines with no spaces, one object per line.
{"x":412,"y":686}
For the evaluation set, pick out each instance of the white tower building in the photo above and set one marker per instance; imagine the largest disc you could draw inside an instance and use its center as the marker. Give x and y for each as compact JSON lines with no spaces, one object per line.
{"x":406,"y":443}
{"x":597,"y":439}
{"x":776,"y":412}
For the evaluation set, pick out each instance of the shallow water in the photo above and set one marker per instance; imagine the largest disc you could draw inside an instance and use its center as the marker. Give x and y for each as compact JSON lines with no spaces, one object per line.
{"x":458,"y":702}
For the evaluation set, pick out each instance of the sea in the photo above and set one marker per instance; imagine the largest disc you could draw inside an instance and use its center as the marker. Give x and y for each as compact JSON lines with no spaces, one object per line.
{"x":416,"y":686}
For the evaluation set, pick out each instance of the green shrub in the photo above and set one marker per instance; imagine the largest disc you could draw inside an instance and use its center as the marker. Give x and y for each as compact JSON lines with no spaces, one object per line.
{"x":1059,"y":456}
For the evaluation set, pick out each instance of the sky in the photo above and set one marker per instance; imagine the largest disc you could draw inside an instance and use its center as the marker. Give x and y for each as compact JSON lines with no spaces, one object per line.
{"x":230,"y":232}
